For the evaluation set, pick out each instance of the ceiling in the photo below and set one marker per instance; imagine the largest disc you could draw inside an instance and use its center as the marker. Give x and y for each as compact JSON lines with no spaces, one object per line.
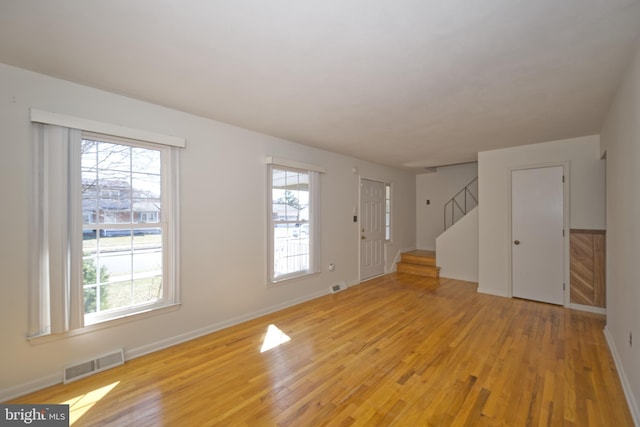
{"x":407,"y":83}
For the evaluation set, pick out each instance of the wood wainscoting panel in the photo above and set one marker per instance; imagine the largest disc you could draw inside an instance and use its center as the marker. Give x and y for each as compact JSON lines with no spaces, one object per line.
{"x":581,"y":267}
{"x":587,"y":267}
{"x":599,"y":270}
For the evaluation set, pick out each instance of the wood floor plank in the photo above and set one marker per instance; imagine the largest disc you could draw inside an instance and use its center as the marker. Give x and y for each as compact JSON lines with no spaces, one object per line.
{"x":397,"y":350}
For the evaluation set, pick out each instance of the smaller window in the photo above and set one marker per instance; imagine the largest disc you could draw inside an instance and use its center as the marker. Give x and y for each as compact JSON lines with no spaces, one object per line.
{"x":293,"y":210}
{"x":387,"y":211}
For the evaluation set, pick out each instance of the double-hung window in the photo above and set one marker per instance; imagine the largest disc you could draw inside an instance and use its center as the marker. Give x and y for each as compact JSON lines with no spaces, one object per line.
{"x":293,"y":221}
{"x":104,"y":225}
{"x":123,"y":243}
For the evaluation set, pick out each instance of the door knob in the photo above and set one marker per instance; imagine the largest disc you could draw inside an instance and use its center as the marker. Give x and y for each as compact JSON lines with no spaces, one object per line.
{"x":362,"y":237}
{"x":516,"y":242}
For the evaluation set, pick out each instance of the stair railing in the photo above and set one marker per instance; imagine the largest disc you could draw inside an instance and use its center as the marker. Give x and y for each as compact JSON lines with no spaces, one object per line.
{"x":458,"y":206}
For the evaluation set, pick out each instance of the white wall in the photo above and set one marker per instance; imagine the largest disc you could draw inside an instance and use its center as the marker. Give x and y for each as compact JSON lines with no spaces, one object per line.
{"x":621,"y":140}
{"x":587,"y":201}
{"x":457,"y":249}
{"x":438,"y":187}
{"x":223,"y":225}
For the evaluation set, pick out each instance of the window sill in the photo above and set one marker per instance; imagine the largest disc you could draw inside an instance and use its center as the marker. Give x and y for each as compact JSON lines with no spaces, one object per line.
{"x":46,"y":338}
{"x":287,"y":280}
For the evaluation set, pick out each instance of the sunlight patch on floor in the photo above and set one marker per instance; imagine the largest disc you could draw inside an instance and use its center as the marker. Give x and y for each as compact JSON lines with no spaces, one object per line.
{"x":273,"y":338}
{"x":80,"y":405}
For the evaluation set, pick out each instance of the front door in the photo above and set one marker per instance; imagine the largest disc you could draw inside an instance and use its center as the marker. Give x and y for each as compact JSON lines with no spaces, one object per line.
{"x":372,"y":228}
{"x":537,"y":220}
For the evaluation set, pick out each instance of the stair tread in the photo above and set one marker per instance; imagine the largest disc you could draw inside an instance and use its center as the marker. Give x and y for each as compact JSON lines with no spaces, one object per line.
{"x":419,"y":266}
{"x":421,"y":252}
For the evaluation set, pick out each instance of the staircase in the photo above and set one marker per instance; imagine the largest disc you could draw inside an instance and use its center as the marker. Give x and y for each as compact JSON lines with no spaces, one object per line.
{"x":457,"y":260}
{"x":458,"y":246}
{"x":420,"y":263}
{"x":462,"y":203}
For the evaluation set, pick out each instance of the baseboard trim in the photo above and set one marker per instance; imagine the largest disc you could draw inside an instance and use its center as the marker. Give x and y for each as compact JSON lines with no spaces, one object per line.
{"x":628,"y":393}
{"x":481,"y":290}
{"x":589,"y":308}
{"x":353,"y":283}
{"x":179,"y":339}
{"x":30,"y":387}
{"x":53,"y":379}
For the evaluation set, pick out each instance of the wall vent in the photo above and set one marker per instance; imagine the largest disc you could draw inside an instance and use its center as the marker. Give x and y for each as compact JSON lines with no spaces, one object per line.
{"x":93,"y":366}
{"x":338,"y":287}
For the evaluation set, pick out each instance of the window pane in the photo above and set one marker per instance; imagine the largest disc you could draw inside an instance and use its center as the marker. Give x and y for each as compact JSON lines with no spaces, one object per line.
{"x":290,"y":215}
{"x":147,"y":290}
{"x":122,"y":232}
{"x":145,"y":185}
{"x":147,"y":267}
{"x":146,"y":211}
{"x":95,"y":275}
{"x":146,"y":202}
{"x":114,"y":157}
{"x":291,"y":250}
{"x":118,"y":295}
{"x":146,"y":161}
{"x":89,"y":185}
{"x":148,"y":239}
{"x":89,"y":154}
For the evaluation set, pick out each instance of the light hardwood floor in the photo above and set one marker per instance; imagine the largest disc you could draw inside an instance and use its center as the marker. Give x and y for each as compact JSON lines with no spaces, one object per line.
{"x":397,"y":350}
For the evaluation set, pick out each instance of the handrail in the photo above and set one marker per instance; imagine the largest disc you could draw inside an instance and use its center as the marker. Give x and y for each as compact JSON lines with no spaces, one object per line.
{"x":470,"y":202}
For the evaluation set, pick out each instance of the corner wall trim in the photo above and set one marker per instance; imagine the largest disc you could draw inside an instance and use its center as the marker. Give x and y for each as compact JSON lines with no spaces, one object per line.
{"x":628,"y":393}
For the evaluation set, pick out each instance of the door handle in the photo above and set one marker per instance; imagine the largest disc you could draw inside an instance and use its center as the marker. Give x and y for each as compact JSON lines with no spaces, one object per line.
{"x":362,"y":237}
{"x":516,"y":242}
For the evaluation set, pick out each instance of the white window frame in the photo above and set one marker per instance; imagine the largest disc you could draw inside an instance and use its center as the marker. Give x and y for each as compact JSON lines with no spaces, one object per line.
{"x":313,"y":223}
{"x":168,"y":279}
{"x":388,"y":219}
{"x":56,"y":300}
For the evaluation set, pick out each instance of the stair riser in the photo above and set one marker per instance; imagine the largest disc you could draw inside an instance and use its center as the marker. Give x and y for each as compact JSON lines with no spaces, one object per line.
{"x":412,"y":259}
{"x":419,"y":270}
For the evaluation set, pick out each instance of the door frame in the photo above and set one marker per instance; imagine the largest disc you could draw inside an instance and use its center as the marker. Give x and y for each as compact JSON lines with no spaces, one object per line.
{"x":566,"y":196}
{"x":359,"y":215}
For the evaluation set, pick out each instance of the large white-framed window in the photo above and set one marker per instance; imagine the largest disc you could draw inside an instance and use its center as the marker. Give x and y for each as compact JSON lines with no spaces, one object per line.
{"x":293,"y":221}
{"x":124,"y":185}
{"x":104,"y":215}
